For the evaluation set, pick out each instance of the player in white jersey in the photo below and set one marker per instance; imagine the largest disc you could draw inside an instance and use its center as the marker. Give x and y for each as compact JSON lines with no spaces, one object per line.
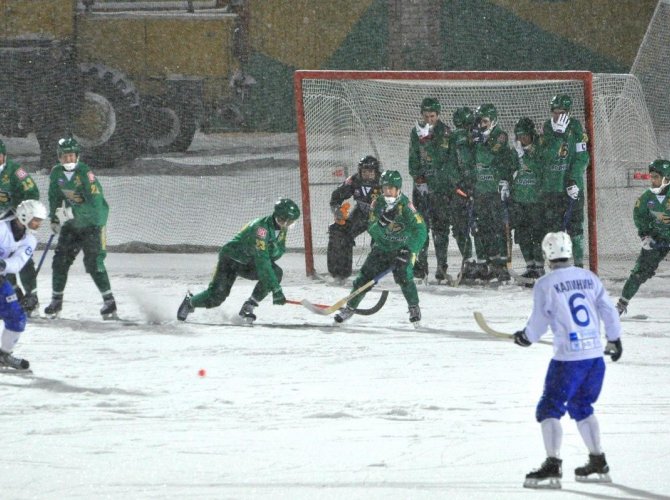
{"x":572,"y":302}
{"x":17,"y":244}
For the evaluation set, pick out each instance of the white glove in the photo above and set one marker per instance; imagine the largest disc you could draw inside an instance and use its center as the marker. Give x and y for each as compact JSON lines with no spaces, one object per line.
{"x":573,"y":191}
{"x":55,"y":227}
{"x":424,"y":131}
{"x":422,"y":188}
{"x":503,"y":187}
{"x":64,"y":213}
{"x":561,"y":125}
{"x":519,"y":149}
{"x":648,"y":243}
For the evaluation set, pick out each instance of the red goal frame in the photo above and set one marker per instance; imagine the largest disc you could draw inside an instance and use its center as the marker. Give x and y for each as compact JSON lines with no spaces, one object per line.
{"x":586,"y":77}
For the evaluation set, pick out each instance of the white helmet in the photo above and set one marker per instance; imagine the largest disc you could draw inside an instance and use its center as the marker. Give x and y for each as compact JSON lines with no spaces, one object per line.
{"x":557,"y":246}
{"x":29,"y":210}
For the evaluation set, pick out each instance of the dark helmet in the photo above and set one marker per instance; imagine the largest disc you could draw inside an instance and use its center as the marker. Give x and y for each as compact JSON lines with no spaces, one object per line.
{"x":660,"y":166}
{"x":430,"y":104}
{"x":463,"y":118}
{"x":391,"y":178}
{"x":286,"y":210}
{"x":487,"y":110}
{"x":368,"y":162}
{"x":561,"y":101}
{"x":68,"y":145}
{"x":3,"y":148}
{"x":524,"y":126}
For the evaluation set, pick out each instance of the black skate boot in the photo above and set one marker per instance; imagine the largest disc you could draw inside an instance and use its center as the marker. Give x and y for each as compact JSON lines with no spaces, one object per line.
{"x":441,"y":273}
{"x":622,"y":306}
{"x":469,"y":272}
{"x":185,"y":308}
{"x":54,"y":308}
{"x":344,"y":314}
{"x":530,"y":272}
{"x":30,"y":303}
{"x":484,"y":272}
{"x":6,"y":359}
{"x":415,"y":315}
{"x":595,"y":471}
{"x":547,"y":476}
{"x":108,"y":310}
{"x":502,"y":273}
{"x":247,"y":311}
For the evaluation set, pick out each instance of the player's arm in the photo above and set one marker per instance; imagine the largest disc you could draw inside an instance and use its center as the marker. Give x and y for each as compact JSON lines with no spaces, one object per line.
{"x":15,"y":262}
{"x":24,"y":186}
{"x":538,"y":322}
{"x":581,"y":161}
{"x":93,"y":200}
{"x":56,"y":196}
{"x":262,"y":260}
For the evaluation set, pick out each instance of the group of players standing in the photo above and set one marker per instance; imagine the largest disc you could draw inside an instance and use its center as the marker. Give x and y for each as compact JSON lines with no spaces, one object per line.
{"x":468,"y":179}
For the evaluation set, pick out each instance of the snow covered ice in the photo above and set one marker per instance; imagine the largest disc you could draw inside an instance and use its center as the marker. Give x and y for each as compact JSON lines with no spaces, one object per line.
{"x":299,"y":409}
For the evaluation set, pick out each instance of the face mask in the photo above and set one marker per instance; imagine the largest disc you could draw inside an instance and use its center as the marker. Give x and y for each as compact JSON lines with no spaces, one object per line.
{"x":664,"y":183}
{"x":390,"y":200}
{"x":69,"y":166}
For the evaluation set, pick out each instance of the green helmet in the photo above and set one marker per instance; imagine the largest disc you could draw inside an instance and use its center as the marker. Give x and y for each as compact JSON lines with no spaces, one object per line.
{"x":391,"y":178}
{"x":660,"y":166}
{"x":68,"y":145}
{"x":286,"y":209}
{"x":524,"y":126}
{"x":3,"y":148}
{"x":487,"y":110}
{"x":561,"y":101}
{"x":430,"y":104}
{"x":463,"y":118}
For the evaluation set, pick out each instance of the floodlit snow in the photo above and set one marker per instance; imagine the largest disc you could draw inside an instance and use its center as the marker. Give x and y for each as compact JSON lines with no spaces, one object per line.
{"x":299,"y":409}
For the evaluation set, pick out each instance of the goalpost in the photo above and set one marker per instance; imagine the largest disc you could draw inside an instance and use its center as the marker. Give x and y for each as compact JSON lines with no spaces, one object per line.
{"x":345,"y":115}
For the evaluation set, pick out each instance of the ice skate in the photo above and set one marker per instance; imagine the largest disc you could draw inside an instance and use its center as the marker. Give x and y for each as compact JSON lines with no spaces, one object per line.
{"x":622,"y":306}
{"x":30,"y":304}
{"x":595,"y":471}
{"x":6,"y":359}
{"x":415,"y":315}
{"x":502,"y":273}
{"x":344,"y":314}
{"x":247,"y":311}
{"x":185,"y":308}
{"x":441,"y":273}
{"x":548,"y":476}
{"x":108,"y":310}
{"x":53,"y":310}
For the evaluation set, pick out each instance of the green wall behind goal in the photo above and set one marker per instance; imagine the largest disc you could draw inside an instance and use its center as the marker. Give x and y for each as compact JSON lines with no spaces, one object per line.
{"x":473,"y":35}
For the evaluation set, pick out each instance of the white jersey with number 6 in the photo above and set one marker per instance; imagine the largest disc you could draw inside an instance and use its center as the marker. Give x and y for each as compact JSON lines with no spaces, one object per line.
{"x":572,"y":302}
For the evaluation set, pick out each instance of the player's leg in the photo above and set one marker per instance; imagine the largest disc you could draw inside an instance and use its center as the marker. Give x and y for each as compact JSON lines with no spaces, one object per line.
{"x":28,"y":277}
{"x":421,"y":202}
{"x":15,"y":323}
{"x":66,"y":251}
{"x":441,"y":221}
{"x":340,"y":250}
{"x":645,"y":267}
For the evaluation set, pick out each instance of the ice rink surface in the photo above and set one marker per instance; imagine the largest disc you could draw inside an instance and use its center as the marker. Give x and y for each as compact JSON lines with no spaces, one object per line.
{"x":294,"y":408}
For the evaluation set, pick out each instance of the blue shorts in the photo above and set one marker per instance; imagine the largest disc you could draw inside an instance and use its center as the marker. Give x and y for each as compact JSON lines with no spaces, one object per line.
{"x":573,"y":386}
{"x":10,"y":309}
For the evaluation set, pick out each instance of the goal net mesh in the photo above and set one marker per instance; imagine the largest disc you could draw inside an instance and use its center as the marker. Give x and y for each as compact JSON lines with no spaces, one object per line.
{"x":345,"y":119}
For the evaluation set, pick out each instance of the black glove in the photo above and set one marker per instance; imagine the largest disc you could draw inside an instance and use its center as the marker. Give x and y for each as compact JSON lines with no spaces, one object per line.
{"x":3,"y":265}
{"x":402,"y":258}
{"x":614,"y":349}
{"x":521,"y":339}
{"x":387,"y":217}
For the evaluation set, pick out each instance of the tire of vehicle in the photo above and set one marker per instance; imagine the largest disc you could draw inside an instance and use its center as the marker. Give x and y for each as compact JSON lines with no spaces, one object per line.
{"x":169,"y":128}
{"x":109,"y":122}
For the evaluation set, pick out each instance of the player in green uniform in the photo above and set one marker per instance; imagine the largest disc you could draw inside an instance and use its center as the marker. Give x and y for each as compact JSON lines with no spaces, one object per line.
{"x":398,"y":233}
{"x":251,"y":254}
{"x":429,"y":145}
{"x":16,"y":185}
{"x":527,"y":213}
{"x":652,"y":219}
{"x":78,"y":212}
{"x":563,"y":177}
{"x":494,"y":161}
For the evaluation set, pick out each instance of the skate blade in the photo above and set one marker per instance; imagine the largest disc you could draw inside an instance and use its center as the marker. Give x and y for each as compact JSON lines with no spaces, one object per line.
{"x":110,"y":317}
{"x":594,"y":478}
{"x":543,"y":484}
{"x":52,"y":316}
{"x":416,"y":325}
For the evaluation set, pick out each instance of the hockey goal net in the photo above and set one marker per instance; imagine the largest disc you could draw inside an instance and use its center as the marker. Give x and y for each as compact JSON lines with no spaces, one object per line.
{"x":344,"y":115}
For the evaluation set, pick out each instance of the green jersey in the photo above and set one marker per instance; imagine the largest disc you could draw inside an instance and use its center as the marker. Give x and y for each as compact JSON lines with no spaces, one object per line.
{"x":528,"y":175}
{"x":427,"y":157}
{"x":493,"y":162}
{"x":566,"y":157}
{"x":80,"y":190}
{"x":408,"y":229}
{"x":16,"y":185}
{"x":652,"y":216}
{"x":258,"y":243}
{"x":461,"y":160}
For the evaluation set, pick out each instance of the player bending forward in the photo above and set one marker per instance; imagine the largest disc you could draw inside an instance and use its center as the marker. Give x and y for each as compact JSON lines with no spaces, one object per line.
{"x":17,"y":244}
{"x":571,"y":301}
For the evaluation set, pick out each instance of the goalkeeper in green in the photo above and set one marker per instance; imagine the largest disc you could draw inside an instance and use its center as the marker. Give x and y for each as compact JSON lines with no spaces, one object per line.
{"x":251,"y":254}
{"x":398,"y":234}
{"x":652,"y":219}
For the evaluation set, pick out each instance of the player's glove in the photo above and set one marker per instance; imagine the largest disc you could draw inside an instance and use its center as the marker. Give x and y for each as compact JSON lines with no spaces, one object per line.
{"x":521,"y":339}
{"x":64,"y":213}
{"x":423,"y":131}
{"x":55,"y":226}
{"x":503,"y":187}
{"x":573,"y":191}
{"x":519,"y":149}
{"x":648,"y":243}
{"x":278,"y":298}
{"x":422,"y":188}
{"x":614,"y":349}
{"x":403,"y":257}
{"x":561,"y":125}
{"x":340,"y":217}
{"x":388,"y":216}
{"x":3,"y":266}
